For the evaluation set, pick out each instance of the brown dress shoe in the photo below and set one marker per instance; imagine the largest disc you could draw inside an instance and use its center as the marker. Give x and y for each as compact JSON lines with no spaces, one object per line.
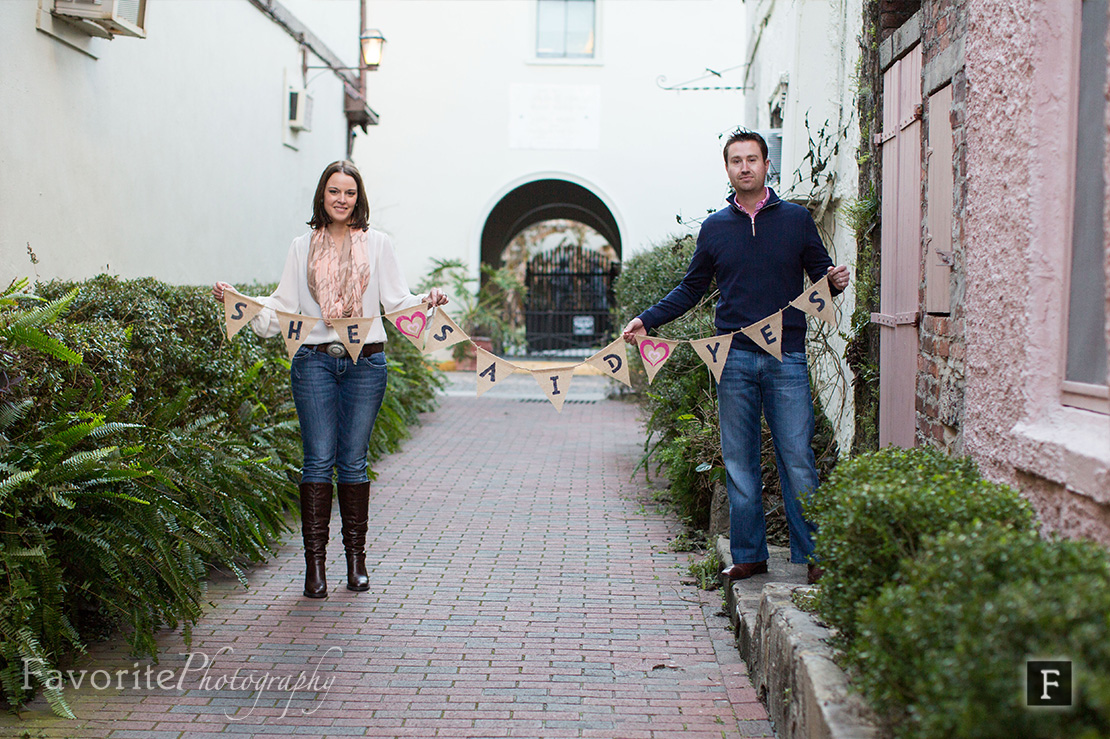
{"x":744,"y":570}
{"x":814,"y":573}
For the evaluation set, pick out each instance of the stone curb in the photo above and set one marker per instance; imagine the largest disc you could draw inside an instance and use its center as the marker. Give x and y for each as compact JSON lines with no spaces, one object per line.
{"x":789,"y":657}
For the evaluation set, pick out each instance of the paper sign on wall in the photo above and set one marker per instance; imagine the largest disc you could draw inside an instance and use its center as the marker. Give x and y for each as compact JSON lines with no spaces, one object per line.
{"x":613,"y":361}
{"x":238,"y":311}
{"x":713,"y":351}
{"x":411,"y":322}
{"x":490,"y":369}
{"x":295,"y":329}
{"x":353,"y":332}
{"x":817,"y":301}
{"x":655,"y":353}
{"x":442,"y":332}
{"x":767,"y":334}
{"x":555,"y":383}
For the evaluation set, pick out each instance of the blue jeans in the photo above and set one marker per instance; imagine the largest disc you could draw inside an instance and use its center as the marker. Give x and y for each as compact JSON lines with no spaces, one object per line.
{"x":337,"y":402}
{"x":754,"y":384}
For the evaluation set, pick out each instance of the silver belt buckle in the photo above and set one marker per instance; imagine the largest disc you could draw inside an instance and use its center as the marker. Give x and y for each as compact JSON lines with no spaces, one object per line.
{"x":336,"y":349}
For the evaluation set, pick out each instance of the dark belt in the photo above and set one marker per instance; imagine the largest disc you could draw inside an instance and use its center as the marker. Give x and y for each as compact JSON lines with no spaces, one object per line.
{"x":339,"y":349}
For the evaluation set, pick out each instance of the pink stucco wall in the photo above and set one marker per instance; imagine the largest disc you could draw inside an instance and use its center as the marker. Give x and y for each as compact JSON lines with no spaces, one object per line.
{"x":1021,"y":71}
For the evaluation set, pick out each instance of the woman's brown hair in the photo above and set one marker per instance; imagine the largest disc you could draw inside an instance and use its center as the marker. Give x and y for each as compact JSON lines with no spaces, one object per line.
{"x":360,"y":216}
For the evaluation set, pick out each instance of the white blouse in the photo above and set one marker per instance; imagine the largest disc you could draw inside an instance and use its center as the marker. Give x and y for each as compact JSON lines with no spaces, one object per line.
{"x":386,"y":287}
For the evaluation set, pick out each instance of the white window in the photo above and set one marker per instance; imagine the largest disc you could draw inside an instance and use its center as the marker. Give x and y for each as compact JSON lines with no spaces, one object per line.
{"x":565,"y":29}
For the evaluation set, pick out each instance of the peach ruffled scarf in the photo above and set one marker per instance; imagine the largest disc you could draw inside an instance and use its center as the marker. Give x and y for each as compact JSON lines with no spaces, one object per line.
{"x":338,"y":275}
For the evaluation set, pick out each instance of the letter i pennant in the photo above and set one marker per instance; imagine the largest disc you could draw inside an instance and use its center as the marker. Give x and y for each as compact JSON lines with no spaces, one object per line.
{"x":442,"y":332}
{"x":612,"y":361}
{"x":490,"y":369}
{"x":767,"y":334}
{"x":295,"y":329}
{"x":411,"y":322}
{"x":555,"y":382}
{"x":655,"y":353}
{"x":713,"y":351}
{"x":238,"y":311}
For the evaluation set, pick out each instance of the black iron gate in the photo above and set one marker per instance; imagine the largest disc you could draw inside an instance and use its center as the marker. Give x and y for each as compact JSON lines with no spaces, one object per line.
{"x":570,"y":291}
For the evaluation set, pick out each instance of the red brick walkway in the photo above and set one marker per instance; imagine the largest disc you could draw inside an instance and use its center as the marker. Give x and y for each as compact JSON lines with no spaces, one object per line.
{"x":520,"y":586}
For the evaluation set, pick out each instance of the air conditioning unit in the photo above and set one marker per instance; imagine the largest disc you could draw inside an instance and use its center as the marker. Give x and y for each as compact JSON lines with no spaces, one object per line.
{"x":773,"y":137}
{"x":117,"y":17}
{"x":300,"y":109}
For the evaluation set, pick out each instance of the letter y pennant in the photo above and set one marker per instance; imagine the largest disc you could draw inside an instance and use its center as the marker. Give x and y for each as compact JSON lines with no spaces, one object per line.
{"x":713,"y":351}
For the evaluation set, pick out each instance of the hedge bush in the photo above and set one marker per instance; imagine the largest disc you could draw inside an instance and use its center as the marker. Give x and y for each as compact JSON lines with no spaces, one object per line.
{"x":942,"y":652}
{"x":874,"y":510}
{"x":138,"y":448}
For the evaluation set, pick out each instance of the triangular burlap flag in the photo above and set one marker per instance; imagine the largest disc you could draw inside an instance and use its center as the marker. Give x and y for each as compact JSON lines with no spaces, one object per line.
{"x":442,"y":332}
{"x":238,"y":311}
{"x":555,"y":382}
{"x":353,"y":332}
{"x":767,"y":334}
{"x":295,"y":329}
{"x":655,"y":353}
{"x":613,"y":361}
{"x":713,"y":351}
{"x":817,"y":301}
{"x":411,"y":322}
{"x":490,"y":369}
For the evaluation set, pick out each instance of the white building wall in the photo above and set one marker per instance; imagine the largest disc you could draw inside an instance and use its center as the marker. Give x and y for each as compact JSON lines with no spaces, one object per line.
{"x":813,"y":47}
{"x":162,"y":156}
{"x":441,"y":157}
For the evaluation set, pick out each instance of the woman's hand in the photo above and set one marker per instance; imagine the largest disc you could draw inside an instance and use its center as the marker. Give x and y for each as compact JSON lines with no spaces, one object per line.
{"x":218,"y":290}
{"x":435,"y":298}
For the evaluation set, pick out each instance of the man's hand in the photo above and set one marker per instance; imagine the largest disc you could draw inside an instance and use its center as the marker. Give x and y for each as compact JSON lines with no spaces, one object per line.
{"x":838,"y":277}
{"x":634,"y":330}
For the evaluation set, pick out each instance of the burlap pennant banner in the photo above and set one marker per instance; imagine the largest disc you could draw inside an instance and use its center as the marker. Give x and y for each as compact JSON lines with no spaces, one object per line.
{"x":613,"y":361}
{"x":238,"y":311}
{"x":411,"y":322}
{"x":767,"y":334}
{"x":295,"y":329}
{"x":353,"y":332}
{"x":555,"y":383}
{"x":817,"y":301}
{"x":490,"y":369}
{"x":442,"y":332}
{"x":655,"y":352}
{"x":713,"y":351}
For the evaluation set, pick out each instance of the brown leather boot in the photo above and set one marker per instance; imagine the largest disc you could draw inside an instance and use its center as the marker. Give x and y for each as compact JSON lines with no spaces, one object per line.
{"x":315,"y":515}
{"x":354,"y":510}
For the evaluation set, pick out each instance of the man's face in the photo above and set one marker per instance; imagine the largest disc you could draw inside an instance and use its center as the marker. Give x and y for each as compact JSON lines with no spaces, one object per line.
{"x":747,"y":169}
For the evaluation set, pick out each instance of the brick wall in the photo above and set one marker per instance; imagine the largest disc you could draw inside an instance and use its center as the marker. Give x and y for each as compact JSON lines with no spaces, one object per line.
{"x":893,"y":13}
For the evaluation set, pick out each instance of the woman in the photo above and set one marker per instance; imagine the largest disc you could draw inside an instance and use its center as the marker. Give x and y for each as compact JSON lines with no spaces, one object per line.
{"x":340,"y":269}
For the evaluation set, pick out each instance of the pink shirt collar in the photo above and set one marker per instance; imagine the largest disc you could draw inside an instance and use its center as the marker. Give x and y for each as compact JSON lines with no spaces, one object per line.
{"x":758,"y":206}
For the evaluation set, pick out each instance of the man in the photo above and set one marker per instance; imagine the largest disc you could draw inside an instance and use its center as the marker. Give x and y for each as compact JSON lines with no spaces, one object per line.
{"x":759,"y":248}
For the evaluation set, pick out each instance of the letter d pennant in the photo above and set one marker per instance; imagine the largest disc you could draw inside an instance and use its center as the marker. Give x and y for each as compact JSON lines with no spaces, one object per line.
{"x":555,"y":382}
{"x":767,"y":334}
{"x":613,"y":361}
{"x":238,"y":311}
{"x":295,"y":329}
{"x":713,"y":351}
{"x":490,"y":369}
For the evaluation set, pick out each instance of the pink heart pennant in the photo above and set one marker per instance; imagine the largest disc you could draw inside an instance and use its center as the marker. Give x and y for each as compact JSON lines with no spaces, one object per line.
{"x":405,"y":324}
{"x":654,"y":353}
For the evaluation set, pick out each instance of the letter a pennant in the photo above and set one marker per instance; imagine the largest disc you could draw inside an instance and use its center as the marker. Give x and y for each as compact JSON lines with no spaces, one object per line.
{"x":295,"y":329}
{"x":555,"y":382}
{"x":442,"y":332}
{"x":613,"y":361}
{"x":655,"y":353}
{"x":238,"y":311}
{"x":490,"y":369}
{"x":767,"y":334}
{"x":713,"y":351}
{"x":411,"y":322}
{"x":817,"y":301}
{"x":353,"y":332}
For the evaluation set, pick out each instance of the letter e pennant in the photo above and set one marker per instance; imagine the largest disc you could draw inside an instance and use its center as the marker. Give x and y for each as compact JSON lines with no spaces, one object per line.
{"x":713,"y":351}
{"x":655,"y":353}
{"x":613,"y":361}
{"x":411,"y":322}
{"x":295,"y":329}
{"x":555,"y":382}
{"x":817,"y":301}
{"x":490,"y":369}
{"x":442,"y":332}
{"x":767,"y":334}
{"x":238,"y":311}
{"x":353,"y":333}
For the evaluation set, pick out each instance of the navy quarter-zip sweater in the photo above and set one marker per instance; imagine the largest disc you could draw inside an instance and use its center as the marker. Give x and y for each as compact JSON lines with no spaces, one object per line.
{"x":760,"y":265}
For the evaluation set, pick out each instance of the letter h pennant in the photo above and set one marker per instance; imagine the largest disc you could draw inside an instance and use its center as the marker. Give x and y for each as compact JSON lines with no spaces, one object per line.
{"x":295,"y":329}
